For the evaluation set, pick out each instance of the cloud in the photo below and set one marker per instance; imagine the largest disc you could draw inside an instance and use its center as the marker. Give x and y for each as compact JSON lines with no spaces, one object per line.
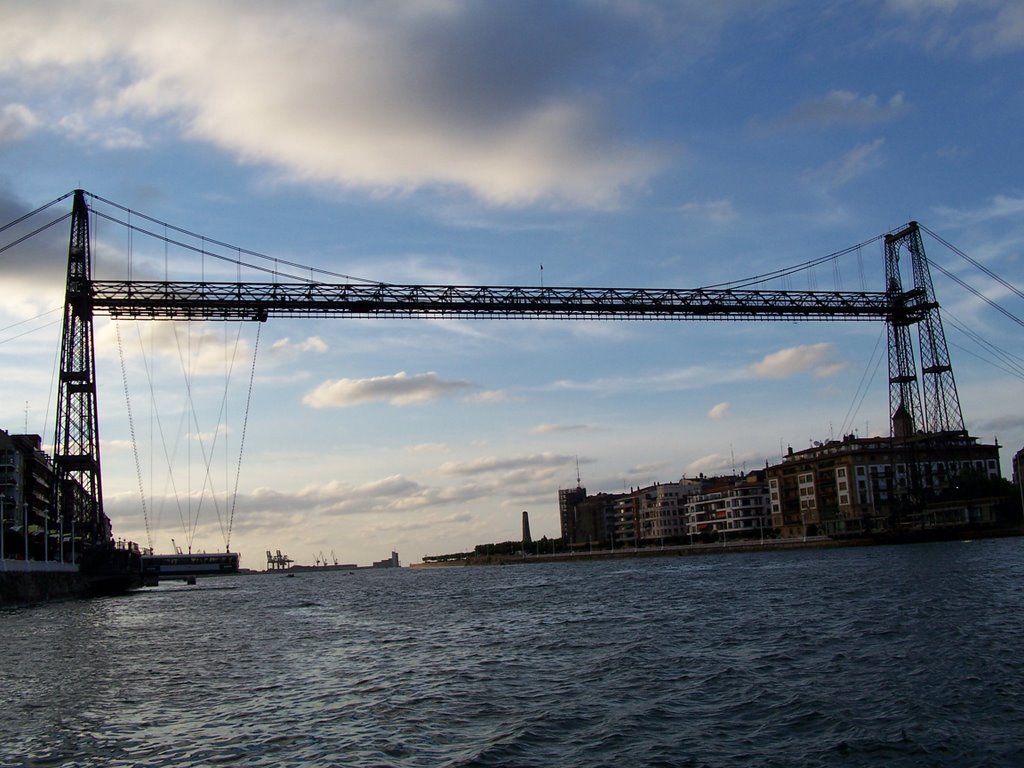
{"x":998,"y":207}
{"x":486,"y":98}
{"x":79,"y":128}
{"x":842,"y":107}
{"x":493,"y":464}
{"x":546,"y":429}
{"x":856,"y":162}
{"x":1005,"y":423}
{"x":16,"y":122}
{"x":716,"y":211}
{"x":287,"y":348}
{"x":398,"y":389}
{"x":490,"y":396}
{"x":712,"y":464}
{"x":427,"y":448}
{"x":675,"y":380}
{"x":718,"y":411}
{"x":795,"y":360}
{"x":192,"y":349}
{"x":984,"y":28}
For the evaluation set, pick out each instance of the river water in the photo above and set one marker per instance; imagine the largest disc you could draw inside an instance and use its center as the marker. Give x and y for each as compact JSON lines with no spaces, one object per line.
{"x":893,"y":656}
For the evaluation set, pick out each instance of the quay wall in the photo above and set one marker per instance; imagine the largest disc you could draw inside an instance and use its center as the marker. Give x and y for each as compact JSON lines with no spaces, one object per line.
{"x":36,"y":585}
{"x":732,"y":547}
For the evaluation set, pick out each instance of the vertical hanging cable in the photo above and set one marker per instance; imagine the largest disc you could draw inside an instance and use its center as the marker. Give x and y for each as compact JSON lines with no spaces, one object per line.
{"x":131,"y":431}
{"x":241,"y":445}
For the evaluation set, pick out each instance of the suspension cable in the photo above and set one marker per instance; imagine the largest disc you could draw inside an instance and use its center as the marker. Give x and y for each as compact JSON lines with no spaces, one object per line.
{"x":33,"y":233}
{"x":241,"y":446}
{"x":131,"y":431}
{"x":206,"y":240}
{"x":977,"y":293}
{"x":784,"y":272}
{"x":863,"y":386}
{"x":38,"y":210}
{"x":977,"y":264}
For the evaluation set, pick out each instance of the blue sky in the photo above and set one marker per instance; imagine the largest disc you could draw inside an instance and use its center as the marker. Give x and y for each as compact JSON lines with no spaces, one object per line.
{"x":621,"y":144}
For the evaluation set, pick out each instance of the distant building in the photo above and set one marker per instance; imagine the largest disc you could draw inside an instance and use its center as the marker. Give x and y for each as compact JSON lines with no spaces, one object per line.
{"x":668,"y":513}
{"x":391,"y":562}
{"x":595,"y":520}
{"x":527,"y":539}
{"x":662,"y":510}
{"x":860,"y":485}
{"x":734,"y":507}
{"x":568,"y":499}
{"x":26,"y":483}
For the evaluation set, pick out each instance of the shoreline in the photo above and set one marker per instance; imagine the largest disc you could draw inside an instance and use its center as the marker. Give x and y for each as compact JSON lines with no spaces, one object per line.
{"x":735,"y":547}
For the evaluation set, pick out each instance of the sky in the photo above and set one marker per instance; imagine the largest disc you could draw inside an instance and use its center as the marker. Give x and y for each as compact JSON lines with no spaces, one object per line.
{"x":614,"y":143}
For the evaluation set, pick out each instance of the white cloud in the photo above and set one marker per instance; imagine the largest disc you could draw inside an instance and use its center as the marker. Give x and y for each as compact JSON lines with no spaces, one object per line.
{"x":192,"y":348}
{"x":854,"y":163}
{"x":999,"y":207}
{"x":712,"y":464}
{"x":397,"y":389}
{"x":718,"y":411}
{"x":490,"y":464}
{"x":416,"y":95}
{"x":795,"y":360}
{"x":716,"y":211}
{"x":984,"y":28}
{"x":843,"y":107}
{"x":16,"y":122}
{"x":311,"y":344}
{"x":490,"y":396}
{"x":546,"y":429}
{"x":427,"y":448}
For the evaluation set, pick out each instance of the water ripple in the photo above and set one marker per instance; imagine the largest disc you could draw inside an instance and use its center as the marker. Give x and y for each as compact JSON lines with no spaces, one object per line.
{"x":897,"y":656}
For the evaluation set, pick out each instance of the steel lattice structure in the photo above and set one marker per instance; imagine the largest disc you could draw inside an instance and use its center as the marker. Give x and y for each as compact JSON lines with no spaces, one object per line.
{"x":77,"y":498}
{"x":939,"y":413}
{"x":77,"y":458}
{"x":260,"y":301}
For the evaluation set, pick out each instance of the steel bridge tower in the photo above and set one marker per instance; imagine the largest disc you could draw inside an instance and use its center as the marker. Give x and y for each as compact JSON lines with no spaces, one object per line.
{"x":939,"y":413}
{"x":77,"y":493}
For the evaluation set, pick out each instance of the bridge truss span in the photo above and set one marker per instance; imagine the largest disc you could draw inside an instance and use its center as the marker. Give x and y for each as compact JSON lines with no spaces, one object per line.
{"x":156,"y":300}
{"x":77,"y":459}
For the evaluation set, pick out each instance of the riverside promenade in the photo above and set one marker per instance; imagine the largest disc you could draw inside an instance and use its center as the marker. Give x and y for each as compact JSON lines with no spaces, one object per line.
{"x":727,"y":547}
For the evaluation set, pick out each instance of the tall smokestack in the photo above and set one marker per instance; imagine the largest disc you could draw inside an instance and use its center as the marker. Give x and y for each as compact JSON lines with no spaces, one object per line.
{"x":526,"y":529}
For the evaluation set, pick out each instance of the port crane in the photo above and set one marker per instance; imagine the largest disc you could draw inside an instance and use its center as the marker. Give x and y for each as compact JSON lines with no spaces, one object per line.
{"x":925,"y":402}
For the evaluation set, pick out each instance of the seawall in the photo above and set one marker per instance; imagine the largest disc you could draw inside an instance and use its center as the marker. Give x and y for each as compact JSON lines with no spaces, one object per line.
{"x":735,"y":547}
{"x":39,"y":582}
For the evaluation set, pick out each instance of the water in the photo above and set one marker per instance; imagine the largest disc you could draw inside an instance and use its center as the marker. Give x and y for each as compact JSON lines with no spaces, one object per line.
{"x":892,"y":656}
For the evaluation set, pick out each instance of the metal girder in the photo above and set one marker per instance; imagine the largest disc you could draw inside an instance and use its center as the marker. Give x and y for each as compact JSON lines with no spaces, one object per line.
{"x":77,"y":497}
{"x":260,"y":301}
{"x":940,"y":412}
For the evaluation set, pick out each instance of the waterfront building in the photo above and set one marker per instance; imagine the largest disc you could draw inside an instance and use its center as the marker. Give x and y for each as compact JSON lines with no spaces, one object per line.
{"x":568,"y":499}
{"x":857,"y":485}
{"x":26,"y":483}
{"x":734,"y":507}
{"x":595,"y":521}
{"x":626,"y":529}
{"x":662,"y":510}
{"x":1018,"y":469}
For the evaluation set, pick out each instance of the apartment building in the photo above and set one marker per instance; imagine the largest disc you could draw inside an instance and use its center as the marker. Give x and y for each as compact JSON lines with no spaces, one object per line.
{"x":860,"y":485}
{"x":735,"y":507}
